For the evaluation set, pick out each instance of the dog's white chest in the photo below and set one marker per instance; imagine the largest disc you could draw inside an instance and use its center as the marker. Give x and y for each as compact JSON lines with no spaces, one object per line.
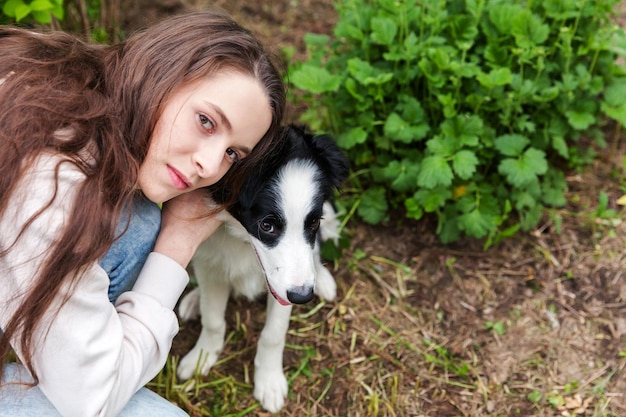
{"x":228,"y":256}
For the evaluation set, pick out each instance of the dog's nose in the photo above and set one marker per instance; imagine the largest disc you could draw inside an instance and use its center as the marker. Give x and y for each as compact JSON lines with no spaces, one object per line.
{"x":300,"y":295}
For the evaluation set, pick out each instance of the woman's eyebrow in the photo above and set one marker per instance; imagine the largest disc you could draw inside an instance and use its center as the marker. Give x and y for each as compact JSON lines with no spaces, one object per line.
{"x":223,"y":119}
{"x":245,"y":150}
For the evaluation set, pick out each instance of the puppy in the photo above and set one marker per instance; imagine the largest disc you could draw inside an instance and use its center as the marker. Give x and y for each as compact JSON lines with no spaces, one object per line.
{"x":270,"y":240}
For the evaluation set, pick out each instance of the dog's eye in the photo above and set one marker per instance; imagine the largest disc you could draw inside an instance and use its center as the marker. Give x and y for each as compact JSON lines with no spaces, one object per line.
{"x":314,"y":224}
{"x":266,"y":226}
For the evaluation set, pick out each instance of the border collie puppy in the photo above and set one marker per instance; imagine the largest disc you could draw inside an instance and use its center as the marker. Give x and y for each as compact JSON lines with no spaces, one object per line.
{"x":270,"y":240}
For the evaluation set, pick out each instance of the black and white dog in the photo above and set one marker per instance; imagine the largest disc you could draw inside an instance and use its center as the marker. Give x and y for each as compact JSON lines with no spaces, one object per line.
{"x":270,"y":239}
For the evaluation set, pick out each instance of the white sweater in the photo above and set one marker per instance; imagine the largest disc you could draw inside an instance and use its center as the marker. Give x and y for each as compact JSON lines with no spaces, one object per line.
{"x":95,"y":355}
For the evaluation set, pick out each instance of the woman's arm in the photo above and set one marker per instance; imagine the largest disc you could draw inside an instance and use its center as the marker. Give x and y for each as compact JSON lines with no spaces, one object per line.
{"x":93,"y":356}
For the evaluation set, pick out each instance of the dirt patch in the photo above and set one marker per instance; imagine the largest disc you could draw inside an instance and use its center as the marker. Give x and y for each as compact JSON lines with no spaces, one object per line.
{"x":534,"y":326}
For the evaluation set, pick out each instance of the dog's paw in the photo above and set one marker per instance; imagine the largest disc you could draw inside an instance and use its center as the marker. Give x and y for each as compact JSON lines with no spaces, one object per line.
{"x":270,"y":388}
{"x":204,"y":354}
{"x":195,"y":361}
{"x":325,"y":286}
{"x":189,"y":307}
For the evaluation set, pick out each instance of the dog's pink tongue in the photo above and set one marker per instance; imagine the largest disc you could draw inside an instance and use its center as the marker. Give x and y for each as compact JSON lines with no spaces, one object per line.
{"x":279,"y":299}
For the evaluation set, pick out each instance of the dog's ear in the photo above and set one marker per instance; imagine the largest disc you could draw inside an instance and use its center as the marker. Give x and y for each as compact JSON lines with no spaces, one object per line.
{"x":331,"y":158}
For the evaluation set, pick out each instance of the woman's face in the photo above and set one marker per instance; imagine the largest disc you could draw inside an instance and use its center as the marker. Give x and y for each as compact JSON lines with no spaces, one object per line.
{"x":205,"y":127}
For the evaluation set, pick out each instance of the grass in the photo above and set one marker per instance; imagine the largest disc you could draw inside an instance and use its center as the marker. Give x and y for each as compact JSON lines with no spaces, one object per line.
{"x":531,"y":327}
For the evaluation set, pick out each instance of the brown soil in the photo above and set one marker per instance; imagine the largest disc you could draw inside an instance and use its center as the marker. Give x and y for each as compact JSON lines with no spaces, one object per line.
{"x":533,"y":326}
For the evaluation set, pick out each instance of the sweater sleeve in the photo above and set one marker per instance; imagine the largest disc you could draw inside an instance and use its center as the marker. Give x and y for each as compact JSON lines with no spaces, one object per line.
{"x":91,"y":356}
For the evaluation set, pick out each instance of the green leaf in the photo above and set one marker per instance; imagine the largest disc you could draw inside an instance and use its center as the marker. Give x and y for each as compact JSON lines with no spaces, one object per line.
{"x":433,"y":199}
{"x":440,"y":57}
{"x":531,"y":217}
{"x":16,"y":9}
{"x":350,"y":25}
{"x":434,"y":172}
{"x":616,"y":113}
{"x":58,"y":11}
{"x":9,"y":7}
{"x":537,"y":159}
{"x":442,"y":145}
{"x":464,"y":31}
{"x":529,"y":30}
{"x":546,"y":95}
{"x":534,"y":397}
{"x":366,"y":74}
{"x":384,"y":30}
{"x":618,"y":43}
{"x":315,"y":39}
{"x":614,"y":103}
{"x":501,"y":15}
{"x":373,"y":207}
{"x":21,"y":11}
{"x":465,"y":130}
{"x":559,"y":145}
{"x":432,"y":73}
{"x":330,"y":252}
{"x":497,"y":55}
{"x":400,"y":130}
{"x":477,"y":224}
{"x":464,"y":163}
{"x":42,"y":17}
{"x":615,"y":94}
{"x":352,"y":87}
{"x":41,"y":5}
{"x":402,"y":174}
{"x":496,"y":77}
{"x":449,"y":105}
{"x":412,"y":109}
{"x":511,"y":145}
{"x":580,"y":120}
{"x":352,"y":137}
{"x":315,"y":79}
{"x":411,"y":45}
{"x":524,"y":199}
{"x":553,"y":188}
{"x":525,"y":169}
{"x":413,"y":210}
{"x":562,"y":9}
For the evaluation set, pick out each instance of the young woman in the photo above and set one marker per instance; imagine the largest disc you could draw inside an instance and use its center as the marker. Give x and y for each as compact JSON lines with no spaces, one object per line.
{"x":91,"y":139}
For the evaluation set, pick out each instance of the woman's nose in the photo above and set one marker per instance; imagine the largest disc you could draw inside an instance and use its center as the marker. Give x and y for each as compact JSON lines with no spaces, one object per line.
{"x":208,"y":162}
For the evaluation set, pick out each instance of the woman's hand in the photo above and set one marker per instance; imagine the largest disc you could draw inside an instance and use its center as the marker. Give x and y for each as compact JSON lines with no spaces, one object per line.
{"x":185,"y":225}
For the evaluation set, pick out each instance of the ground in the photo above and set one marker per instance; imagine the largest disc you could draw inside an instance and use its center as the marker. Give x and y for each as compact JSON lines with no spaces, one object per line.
{"x":535,"y":326}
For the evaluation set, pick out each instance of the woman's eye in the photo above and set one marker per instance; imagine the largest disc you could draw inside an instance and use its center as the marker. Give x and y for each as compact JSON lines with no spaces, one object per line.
{"x":206,"y":123}
{"x":232,"y":154}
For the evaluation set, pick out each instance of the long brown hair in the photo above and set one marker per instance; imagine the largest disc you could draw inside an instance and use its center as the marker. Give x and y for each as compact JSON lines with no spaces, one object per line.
{"x":98,"y":106}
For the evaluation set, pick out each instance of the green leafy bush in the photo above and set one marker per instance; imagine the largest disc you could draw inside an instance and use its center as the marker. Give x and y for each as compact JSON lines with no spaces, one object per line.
{"x":41,"y":11}
{"x":97,"y":19}
{"x":470,"y":110}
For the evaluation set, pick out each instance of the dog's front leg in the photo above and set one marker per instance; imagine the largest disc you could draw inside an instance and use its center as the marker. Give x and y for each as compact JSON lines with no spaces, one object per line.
{"x":270,"y":384}
{"x":213,"y":300}
{"x":325,"y":285}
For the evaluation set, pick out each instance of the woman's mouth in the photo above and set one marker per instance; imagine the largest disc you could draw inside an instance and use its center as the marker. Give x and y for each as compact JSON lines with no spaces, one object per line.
{"x":179,"y":181}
